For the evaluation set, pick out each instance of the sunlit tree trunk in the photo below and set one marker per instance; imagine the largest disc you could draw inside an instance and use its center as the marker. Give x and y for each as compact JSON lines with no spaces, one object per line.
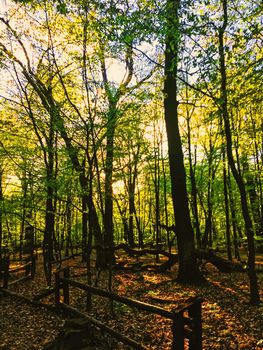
{"x":113,"y":98}
{"x":193,"y":185}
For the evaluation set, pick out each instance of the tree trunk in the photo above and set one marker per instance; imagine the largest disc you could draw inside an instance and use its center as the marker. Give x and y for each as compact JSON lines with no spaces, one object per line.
{"x":1,"y":211}
{"x":233,"y":218}
{"x":84,"y":216}
{"x":253,"y":196}
{"x":169,"y":243}
{"x":108,"y":214}
{"x":157,"y":195}
{"x":208,"y":234}
{"x":131,"y":190}
{"x":24,"y":186}
{"x":226,"y":198}
{"x":188,"y":267}
{"x":69,"y":224}
{"x":254,"y":292}
{"x":193,"y":188}
{"x":49,"y":234}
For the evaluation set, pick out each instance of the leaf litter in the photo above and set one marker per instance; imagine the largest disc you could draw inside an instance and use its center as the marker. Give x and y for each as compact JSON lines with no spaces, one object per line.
{"x":229,"y":322}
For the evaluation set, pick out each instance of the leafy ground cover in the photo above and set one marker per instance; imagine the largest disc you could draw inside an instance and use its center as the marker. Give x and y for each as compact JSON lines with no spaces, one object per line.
{"x":229,"y":322}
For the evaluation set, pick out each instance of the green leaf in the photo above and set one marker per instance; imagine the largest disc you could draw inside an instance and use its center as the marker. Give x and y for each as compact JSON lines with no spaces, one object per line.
{"x":62,"y":8}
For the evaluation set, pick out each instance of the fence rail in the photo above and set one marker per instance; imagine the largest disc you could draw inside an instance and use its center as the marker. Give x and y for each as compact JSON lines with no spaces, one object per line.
{"x":186,"y":321}
{"x":5,"y":271}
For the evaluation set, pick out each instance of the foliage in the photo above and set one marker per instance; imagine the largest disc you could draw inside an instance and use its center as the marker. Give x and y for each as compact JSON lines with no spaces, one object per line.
{"x":64,"y":92}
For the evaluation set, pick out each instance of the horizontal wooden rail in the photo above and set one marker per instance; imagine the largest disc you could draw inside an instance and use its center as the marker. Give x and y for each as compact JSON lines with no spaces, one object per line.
{"x":105,"y":328}
{"x":188,"y":304}
{"x":65,"y":258}
{"x":26,"y":299}
{"x":19,"y":268}
{"x":21,"y":279}
{"x":18,"y":260}
{"x":6,"y":271}
{"x":44,"y":294}
{"x":186,"y":320}
{"x":130,"y":302}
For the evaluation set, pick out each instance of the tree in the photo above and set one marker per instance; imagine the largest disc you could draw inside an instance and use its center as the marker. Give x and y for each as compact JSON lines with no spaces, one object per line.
{"x":92,"y":124}
{"x":188,"y":267}
{"x":1,"y":211}
{"x":254,"y":293}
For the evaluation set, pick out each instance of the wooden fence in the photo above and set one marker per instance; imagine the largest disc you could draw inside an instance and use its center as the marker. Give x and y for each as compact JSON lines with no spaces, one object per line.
{"x":186,"y":321}
{"x":28,"y":266}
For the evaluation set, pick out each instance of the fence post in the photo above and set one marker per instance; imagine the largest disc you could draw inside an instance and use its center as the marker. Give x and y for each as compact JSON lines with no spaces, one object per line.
{"x":6,"y":263}
{"x":195,"y":312}
{"x":89,"y":302}
{"x":57,"y":287}
{"x":89,"y":295}
{"x":28,"y":268}
{"x":66,"y":286}
{"x":178,"y":331}
{"x":33,"y":266}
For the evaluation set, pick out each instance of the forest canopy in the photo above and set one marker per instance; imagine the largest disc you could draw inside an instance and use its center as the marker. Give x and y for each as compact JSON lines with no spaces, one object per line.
{"x":132,"y":121}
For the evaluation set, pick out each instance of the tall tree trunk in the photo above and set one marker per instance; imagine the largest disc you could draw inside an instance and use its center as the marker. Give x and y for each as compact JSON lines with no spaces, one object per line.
{"x":79,"y":168}
{"x":157,"y":209}
{"x":131,"y":185}
{"x":113,"y":98}
{"x":24,"y":187}
{"x":108,"y":213}
{"x":68,"y":226}
{"x":49,"y":235}
{"x":193,"y":187}
{"x":169,"y":243}
{"x":1,"y":211}
{"x":131,"y":190}
{"x":253,"y":196}
{"x":254,"y":292}
{"x":226,"y":198}
{"x":84,"y":216}
{"x":233,"y":217}
{"x":188,"y":267}
{"x":258,"y":159}
{"x":140,"y":222}
{"x":157,"y":191}
{"x":209,"y":227}
{"x":49,"y":223}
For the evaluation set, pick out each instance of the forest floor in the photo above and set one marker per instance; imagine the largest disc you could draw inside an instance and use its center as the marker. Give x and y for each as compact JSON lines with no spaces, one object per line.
{"x":229,"y":322}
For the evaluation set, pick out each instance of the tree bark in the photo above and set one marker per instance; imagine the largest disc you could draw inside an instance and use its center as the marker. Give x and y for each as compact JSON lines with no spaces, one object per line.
{"x":1,"y":211}
{"x":108,"y":214}
{"x":188,"y":268}
{"x":49,"y":220}
{"x":254,"y":292}
{"x":226,"y":198}
{"x":193,"y":187}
